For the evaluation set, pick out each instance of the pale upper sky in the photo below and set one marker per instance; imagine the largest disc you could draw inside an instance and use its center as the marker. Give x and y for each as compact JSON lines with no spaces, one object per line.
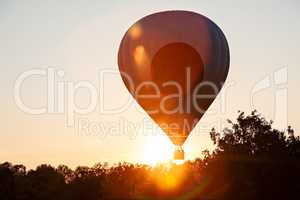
{"x":81,"y":39}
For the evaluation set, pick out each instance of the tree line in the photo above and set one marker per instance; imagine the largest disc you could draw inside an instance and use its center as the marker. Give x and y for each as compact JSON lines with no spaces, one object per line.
{"x":251,"y":160}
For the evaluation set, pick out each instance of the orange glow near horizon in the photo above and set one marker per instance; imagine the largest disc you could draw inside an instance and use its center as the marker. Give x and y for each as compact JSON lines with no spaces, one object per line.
{"x":168,"y":178}
{"x":157,"y":149}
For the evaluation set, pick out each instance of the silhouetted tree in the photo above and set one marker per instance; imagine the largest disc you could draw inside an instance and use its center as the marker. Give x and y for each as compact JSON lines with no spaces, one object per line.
{"x":257,"y":161}
{"x":251,"y":160}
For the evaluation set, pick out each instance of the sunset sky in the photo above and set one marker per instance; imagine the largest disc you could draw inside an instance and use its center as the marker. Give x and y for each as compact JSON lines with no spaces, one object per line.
{"x":80,"y":40}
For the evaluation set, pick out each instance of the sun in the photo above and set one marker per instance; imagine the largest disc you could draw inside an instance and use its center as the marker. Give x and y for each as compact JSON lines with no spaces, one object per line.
{"x":157,"y":149}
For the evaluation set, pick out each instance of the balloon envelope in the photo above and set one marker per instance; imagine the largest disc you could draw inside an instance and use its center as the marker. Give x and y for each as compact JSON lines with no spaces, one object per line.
{"x":174,"y":64}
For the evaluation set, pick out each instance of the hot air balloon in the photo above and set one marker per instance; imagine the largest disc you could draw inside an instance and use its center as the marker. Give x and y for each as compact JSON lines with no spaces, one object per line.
{"x":174,"y":63}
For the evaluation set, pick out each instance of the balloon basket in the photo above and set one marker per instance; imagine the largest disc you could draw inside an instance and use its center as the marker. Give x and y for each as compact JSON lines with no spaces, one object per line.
{"x":178,"y":154}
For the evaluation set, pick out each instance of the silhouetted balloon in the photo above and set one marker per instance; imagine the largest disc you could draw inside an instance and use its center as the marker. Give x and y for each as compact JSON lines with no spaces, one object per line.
{"x":174,"y":63}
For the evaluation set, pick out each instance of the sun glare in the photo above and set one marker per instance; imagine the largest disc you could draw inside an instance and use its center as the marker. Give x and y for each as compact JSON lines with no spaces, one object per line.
{"x":157,"y":149}
{"x":136,"y":31}
{"x":140,"y":55}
